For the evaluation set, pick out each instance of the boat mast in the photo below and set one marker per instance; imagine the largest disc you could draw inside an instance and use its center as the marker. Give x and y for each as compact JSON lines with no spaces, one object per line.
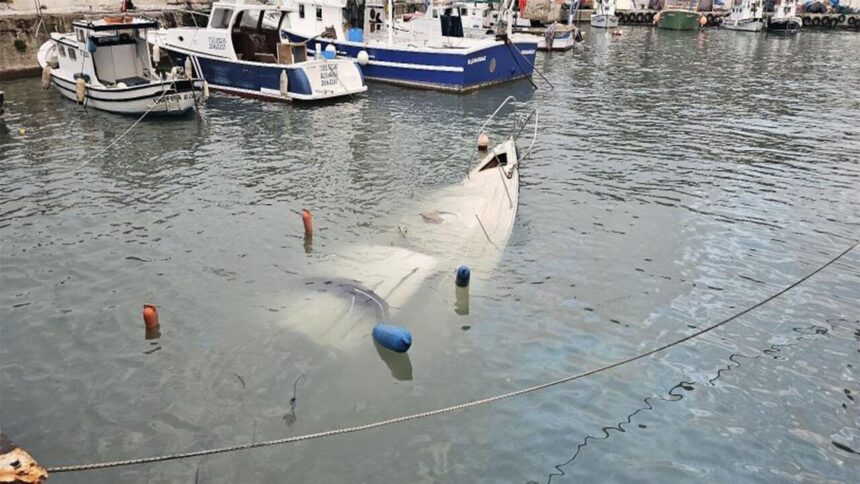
{"x":390,"y":21}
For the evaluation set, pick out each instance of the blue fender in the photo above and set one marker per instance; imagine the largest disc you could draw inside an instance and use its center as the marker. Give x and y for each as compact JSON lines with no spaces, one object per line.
{"x":394,"y":338}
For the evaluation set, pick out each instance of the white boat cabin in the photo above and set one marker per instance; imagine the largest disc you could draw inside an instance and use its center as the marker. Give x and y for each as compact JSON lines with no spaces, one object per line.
{"x":107,"y":52}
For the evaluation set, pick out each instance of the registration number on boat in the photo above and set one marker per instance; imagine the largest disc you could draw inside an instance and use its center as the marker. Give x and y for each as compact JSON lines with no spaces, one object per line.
{"x":173,"y":98}
{"x":328,"y":75}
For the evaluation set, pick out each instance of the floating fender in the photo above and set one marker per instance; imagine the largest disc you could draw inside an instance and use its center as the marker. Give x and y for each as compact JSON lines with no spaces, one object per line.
{"x":394,"y":338}
{"x":463,"y":276}
{"x":91,"y":46}
{"x":703,"y":21}
{"x":363,"y":58}
{"x":150,"y":316}
{"x":46,"y":77}
{"x":189,"y":67}
{"x":80,"y":90}
{"x":285,"y":84}
{"x":156,"y":53}
{"x":205,"y":90}
{"x":657,"y":18}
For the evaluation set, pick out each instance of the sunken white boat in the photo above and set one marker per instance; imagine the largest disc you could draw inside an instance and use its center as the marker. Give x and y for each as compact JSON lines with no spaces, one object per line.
{"x":470,"y":222}
{"x":105,"y":64}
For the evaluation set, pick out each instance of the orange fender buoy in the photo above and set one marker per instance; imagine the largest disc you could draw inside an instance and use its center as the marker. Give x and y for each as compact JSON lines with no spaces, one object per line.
{"x":150,"y":316}
{"x":483,"y":141}
{"x":703,"y":21}
{"x":308,"y":221}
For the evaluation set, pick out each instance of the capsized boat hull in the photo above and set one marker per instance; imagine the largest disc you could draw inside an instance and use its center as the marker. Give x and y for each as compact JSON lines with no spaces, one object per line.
{"x":458,"y":70}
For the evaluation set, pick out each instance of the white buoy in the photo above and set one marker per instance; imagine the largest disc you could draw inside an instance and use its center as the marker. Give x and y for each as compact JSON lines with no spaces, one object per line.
{"x":46,"y":77}
{"x":80,"y":90}
{"x":189,"y":71}
{"x":363,"y":58}
{"x":331,"y":51}
{"x":318,"y":51}
{"x":156,"y":53}
{"x":174,"y":71}
{"x":285,"y":84}
{"x":205,"y":90}
{"x":483,"y":141}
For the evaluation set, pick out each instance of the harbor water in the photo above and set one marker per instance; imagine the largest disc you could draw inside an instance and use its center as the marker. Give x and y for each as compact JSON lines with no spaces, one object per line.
{"x":678,"y":178}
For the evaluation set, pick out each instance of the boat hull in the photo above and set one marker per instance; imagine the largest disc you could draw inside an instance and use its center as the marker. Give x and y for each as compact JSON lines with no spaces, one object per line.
{"x":748,"y":25}
{"x":456,"y":70}
{"x":306,"y":81}
{"x":604,"y":21}
{"x":172,"y":99}
{"x":560,"y":42}
{"x":674,"y":20}
{"x":784,"y":27}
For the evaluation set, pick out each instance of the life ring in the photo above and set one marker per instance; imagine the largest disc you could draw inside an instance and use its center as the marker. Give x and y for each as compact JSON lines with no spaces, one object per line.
{"x":640,"y":18}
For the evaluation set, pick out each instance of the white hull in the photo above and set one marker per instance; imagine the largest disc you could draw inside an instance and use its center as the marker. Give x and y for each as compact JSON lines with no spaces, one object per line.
{"x":153,"y":99}
{"x":749,"y":25}
{"x":604,"y":21}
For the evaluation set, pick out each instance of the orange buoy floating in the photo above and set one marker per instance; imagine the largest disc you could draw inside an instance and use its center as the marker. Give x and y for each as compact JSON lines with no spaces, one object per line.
{"x":150,"y":316}
{"x":483,"y":141}
{"x":308,"y":221}
{"x":703,"y":21}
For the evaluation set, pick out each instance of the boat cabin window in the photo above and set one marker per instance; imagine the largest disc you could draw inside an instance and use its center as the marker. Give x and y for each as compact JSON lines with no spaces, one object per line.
{"x":61,"y":50}
{"x":255,"y":40}
{"x":499,"y":159}
{"x":72,"y":54}
{"x":81,"y":35}
{"x":319,"y":13}
{"x":301,"y":11}
{"x":221,"y":18}
{"x":435,"y":14}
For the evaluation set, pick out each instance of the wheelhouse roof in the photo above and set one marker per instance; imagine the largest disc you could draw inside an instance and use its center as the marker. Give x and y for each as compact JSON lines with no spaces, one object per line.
{"x":102,"y":25}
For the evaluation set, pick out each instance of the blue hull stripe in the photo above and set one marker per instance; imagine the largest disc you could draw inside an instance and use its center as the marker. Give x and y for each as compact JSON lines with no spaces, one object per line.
{"x":447,"y":70}
{"x":249,"y":77}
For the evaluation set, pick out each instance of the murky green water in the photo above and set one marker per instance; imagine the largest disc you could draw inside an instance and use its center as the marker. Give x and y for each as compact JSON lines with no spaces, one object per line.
{"x":678,"y":178}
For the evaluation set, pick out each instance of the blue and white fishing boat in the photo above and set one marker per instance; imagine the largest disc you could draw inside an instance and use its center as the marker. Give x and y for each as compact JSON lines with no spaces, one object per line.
{"x":435,"y":55}
{"x":241,"y":52}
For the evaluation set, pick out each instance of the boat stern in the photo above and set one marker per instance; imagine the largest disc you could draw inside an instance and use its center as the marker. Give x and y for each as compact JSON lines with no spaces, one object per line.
{"x":328,"y":79}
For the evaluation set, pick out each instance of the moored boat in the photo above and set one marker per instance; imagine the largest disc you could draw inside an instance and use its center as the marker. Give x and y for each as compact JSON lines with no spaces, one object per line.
{"x":105,"y":64}
{"x":745,"y":16}
{"x":784,"y":20}
{"x":678,"y":15}
{"x":426,"y":52}
{"x":604,"y":15}
{"x":242,"y":52}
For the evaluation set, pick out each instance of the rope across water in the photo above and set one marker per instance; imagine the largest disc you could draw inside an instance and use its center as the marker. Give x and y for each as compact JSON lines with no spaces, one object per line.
{"x":453,"y":408}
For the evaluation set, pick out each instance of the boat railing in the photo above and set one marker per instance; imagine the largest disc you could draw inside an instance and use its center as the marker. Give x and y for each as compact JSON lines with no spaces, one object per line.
{"x":519,"y":124}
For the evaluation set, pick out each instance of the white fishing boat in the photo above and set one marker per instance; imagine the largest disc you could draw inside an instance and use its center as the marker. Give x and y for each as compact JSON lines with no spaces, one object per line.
{"x":604,"y":14}
{"x":745,"y":16}
{"x":553,"y":37}
{"x":105,"y":64}
{"x":425,"y":52}
{"x":784,"y":20}
{"x":241,"y":51}
{"x":470,"y":222}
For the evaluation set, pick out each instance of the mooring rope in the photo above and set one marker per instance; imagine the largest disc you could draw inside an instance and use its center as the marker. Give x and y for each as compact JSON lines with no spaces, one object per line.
{"x":120,"y":137}
{"x":453,"y":408}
